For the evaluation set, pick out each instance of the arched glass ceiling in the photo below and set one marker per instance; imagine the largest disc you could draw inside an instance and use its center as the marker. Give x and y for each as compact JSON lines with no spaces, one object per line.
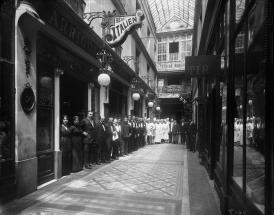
{"x":172,"y":14}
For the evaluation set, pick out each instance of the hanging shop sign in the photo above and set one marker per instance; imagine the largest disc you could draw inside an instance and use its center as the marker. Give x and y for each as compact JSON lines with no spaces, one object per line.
{"x":121,"y":26}
{"x":203,"y":66}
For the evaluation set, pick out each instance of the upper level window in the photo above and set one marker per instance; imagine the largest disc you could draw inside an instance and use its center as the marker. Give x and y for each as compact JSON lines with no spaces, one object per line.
{"x":138,"y":6}
{"x":148,"y":32}
{"x":162,"y":52}
{"x":186,"y":46}
{"x":173,"y":51}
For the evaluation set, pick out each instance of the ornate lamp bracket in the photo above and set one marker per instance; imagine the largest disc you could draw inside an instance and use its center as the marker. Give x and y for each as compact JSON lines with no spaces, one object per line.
{"x":129,"y":58}
{"x":58,"y":72}
{"x":107,"y":17}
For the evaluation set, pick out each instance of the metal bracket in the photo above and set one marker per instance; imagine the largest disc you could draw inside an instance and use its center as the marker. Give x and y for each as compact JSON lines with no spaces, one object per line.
{"x":4,"y":60}
{"x":129,"y":58}
{"x":106,"y":16}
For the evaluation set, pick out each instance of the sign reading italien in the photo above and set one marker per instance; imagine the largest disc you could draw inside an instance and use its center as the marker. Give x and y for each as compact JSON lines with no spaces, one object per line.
{"x":121,"y":26}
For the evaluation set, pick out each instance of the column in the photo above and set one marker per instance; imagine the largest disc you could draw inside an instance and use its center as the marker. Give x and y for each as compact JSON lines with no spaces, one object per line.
{"x":144,"y":106}
{"x":90,"y":87}
{"x":57,"y":152}
{"x":104,"y":96}
{"x":130,"y":104}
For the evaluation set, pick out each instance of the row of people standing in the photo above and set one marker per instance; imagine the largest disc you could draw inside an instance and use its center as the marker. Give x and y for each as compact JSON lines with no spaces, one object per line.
{"x":184,"y":133}
{"x":172,"y":131}
{"x":86,"y":143}
{"x":157,"y":131}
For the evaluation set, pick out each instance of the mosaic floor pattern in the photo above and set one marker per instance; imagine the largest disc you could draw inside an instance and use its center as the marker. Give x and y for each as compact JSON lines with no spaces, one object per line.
{"x":152,"y":180}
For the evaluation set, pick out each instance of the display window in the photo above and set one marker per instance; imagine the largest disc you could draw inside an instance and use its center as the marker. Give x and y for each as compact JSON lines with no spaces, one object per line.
{"x":239,"y":9}
{"x":255,"y":124}
{"x":238,"y":109}
{"x":249,"y":109}
{"x":6,"y":95}
{"x":6,"y":114}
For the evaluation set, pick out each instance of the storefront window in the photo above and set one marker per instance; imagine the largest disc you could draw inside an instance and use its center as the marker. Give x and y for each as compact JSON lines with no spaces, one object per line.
{"x":223,"y":94}
{"x":255,"y":124}
{"x":239,"y":9}
{"x":255,"y":20}
{"x":238,"y":109}
{"x":6,"y":90}
{"x":6,"y":128}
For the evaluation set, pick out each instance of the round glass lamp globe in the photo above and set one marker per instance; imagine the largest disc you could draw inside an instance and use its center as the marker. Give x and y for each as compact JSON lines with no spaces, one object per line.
{"x":136,"y":96}
{"x":158,"y":108}
{"x":104,"y":79}
{"x":46,"y":82}
{"x":150,"y":104}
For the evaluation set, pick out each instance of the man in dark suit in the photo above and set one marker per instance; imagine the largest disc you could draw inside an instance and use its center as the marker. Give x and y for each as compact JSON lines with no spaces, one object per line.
{"x":101,"y":139}
{"x":108,"y":143}
{"x":125,"y":135}
{"x":88,"y":128}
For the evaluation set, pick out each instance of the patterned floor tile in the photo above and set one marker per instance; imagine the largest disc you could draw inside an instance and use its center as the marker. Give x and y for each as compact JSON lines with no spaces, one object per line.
{"x":149,"y":181}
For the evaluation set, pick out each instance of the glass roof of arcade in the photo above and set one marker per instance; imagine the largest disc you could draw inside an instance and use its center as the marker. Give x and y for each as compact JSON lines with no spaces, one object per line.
{"x":172,"y":14}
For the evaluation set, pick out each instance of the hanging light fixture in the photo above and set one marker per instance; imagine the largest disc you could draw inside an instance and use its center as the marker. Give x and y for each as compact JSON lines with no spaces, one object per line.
{"x":136,"y":89}
{"x":104,"y":79}
{"x":158,"y":108}
{"x":105,"y":58}
{"x":150,"y":104}
{"x":136,"y":96}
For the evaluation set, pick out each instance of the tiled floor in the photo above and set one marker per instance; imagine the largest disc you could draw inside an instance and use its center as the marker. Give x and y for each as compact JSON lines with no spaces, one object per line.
{"x":153,"y":180}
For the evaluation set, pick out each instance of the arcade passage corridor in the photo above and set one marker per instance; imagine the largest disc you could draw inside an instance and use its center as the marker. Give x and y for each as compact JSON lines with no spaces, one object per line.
{"x":159,"y":179}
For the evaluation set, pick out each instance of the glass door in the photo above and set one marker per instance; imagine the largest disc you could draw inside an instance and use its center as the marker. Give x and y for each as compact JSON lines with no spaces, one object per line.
{"x":45,"y":108}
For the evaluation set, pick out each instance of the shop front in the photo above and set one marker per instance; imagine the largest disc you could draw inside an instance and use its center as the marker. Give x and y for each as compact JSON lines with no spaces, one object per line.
{"x":117,"y":99}
{"x":55,"y":75}
{"x":236,"y":108}
{"x":74,"y":95}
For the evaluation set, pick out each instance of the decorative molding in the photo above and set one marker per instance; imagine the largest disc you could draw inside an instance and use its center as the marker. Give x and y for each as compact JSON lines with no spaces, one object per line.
{"x":27,"y":50}
{"x":129,"y":58}
{"x":58,"y":72}
{"x":91,"y":85}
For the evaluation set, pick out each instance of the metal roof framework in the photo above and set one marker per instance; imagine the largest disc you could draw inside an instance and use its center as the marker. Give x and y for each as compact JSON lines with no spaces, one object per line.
{"x":165,"y":12}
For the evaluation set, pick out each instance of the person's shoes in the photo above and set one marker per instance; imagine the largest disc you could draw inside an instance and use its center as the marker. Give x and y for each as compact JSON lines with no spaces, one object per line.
{"x":87,"y":167}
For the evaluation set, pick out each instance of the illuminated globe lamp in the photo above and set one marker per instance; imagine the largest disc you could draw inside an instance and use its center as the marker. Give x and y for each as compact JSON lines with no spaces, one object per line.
{"x":150,"y":104}
{"x":105,"y":58}
{"x":104,"y":79}
{"x":250,"y":102}
{"x":158,"y":108}
{"x":46,"y":82}
{"x":136,"y":96}
{"x":136,"y":89}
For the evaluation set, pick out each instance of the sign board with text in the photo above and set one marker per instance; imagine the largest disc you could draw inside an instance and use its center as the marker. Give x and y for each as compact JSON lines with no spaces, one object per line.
{"x":121,"y":26}
{"x":203,"y":66}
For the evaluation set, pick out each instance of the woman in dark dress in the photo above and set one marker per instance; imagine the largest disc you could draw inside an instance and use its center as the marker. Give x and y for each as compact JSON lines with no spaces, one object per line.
{"x":65,"y":146}
{"x":77,"y":147}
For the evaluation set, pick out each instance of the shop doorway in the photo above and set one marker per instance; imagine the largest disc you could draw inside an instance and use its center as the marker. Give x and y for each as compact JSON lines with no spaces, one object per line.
{"x":73,"y":97}
{"x":45,"y":121}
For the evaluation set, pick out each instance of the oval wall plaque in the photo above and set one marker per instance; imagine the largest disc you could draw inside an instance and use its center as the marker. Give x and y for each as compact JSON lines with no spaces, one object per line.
{"x":27,"y":99}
